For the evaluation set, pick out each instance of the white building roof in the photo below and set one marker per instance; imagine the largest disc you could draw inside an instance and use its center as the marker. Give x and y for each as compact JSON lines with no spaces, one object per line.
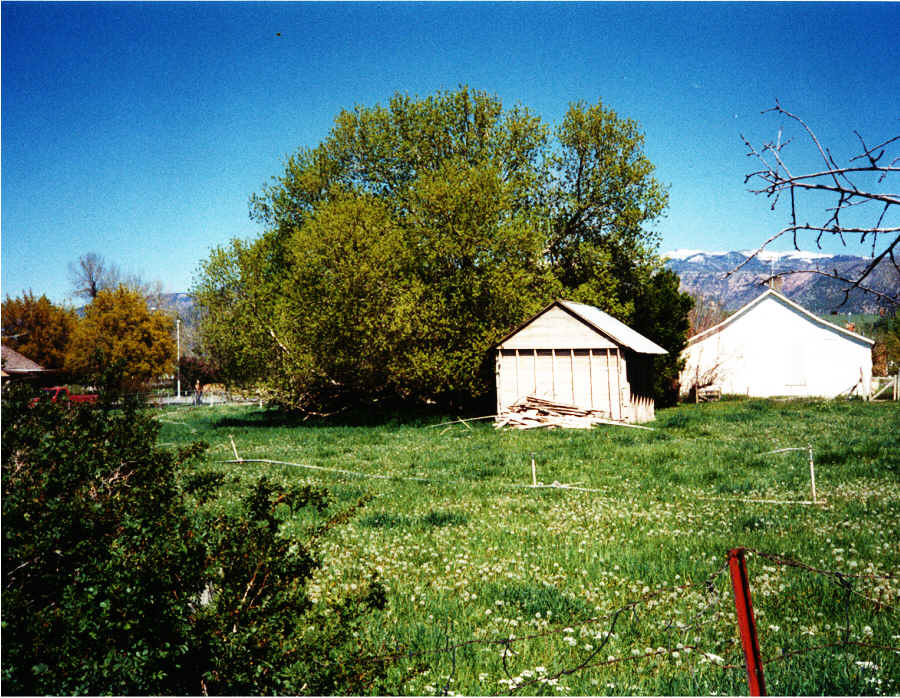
{"x":14,"y":362}
{"x":787,"y":301}
{"x":615,"y":329}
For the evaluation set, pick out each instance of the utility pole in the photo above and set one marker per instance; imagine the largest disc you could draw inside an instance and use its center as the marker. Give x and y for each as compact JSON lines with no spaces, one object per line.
{"x":178,"y":355}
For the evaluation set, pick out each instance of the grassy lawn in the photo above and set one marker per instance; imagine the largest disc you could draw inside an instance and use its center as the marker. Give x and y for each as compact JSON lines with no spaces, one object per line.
{"x":618,"y":587}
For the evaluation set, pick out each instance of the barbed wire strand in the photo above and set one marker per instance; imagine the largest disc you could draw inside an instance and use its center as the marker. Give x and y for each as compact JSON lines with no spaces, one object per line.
{"x":515,"y":683}
{"x":633,"y":658}
{"x":789,"y":562}
{"x":806,"y":650}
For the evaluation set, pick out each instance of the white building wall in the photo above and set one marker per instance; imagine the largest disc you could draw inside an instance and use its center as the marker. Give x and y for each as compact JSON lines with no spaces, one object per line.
{"x":776,"y":349}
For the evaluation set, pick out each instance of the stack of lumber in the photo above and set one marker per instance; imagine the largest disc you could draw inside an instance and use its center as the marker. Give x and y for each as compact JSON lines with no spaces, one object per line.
{"x":708,"y":394}
{"x":533,"y":412}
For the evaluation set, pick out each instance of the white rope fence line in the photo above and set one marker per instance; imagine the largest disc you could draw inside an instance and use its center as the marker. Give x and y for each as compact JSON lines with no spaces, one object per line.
{"x":342,"y":471}
{"x":535,"y":485}
{"x":332,"y":470}
{"x":176,"y":423}
{"x":538,"y":486}
{"x":819,"y":502}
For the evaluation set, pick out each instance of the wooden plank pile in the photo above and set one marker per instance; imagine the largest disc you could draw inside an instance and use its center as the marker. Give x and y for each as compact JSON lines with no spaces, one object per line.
{"x":532,"y":412}
{"x":708,"y":394}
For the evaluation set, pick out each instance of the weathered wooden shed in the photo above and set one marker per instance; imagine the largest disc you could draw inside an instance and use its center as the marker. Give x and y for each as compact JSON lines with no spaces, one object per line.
{"x":775,"y":347}
{"x":579,"y":355}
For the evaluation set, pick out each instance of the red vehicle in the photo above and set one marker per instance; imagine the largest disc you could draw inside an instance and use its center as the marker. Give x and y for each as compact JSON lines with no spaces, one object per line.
{"x":53,"y":394}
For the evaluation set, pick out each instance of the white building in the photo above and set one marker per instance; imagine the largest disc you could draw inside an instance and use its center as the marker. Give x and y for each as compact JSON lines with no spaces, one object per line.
{"x":578,"y":355}
{"x":774,"y":347}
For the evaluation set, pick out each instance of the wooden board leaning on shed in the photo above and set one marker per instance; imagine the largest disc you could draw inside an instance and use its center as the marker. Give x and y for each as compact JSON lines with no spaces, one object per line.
{"x":533,"y":412}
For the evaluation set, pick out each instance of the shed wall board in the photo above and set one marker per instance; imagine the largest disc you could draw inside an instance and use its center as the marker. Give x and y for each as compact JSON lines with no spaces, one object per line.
{"x":545,"y":374}
{"x":582,"y":375}
{"x":775,"y":349}
{"x":598,"y":381}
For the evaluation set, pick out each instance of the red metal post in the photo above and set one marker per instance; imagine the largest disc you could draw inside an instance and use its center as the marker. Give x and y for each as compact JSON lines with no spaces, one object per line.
{"x":746,"y":623}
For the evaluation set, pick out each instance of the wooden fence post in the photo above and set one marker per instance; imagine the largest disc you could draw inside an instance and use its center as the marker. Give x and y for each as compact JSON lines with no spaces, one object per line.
{"x":746,"y":623}
{"x":812,"y":473}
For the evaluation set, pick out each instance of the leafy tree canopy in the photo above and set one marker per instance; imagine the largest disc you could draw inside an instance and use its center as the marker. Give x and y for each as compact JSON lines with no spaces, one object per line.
{"x":38,"y":329}
{"x":403,"y":246}
{"x":119,"y":329}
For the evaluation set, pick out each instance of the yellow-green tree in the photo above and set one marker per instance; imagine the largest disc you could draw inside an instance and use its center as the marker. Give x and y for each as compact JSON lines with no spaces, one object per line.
{"x":38,"y":329}
{"x":118,"y":332}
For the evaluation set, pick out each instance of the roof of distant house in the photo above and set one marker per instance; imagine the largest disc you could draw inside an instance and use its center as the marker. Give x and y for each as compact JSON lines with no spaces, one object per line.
{"x":14,"y":363}
{"x":781,"y":298}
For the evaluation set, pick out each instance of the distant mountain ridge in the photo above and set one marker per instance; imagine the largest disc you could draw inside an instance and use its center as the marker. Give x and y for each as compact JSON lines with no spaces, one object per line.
{"x":703,"y":273}
{"x":180,"y":304}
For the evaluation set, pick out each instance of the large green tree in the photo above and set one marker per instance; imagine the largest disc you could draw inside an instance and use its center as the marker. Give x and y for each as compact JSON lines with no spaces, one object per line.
{"x":661,"y":311}
{"x":38,"y":329}
{"x":603,"y":199}
{"x":402,"y":247}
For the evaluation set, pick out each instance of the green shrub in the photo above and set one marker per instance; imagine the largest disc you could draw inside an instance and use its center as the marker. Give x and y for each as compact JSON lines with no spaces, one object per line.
{"x":117,"y":578}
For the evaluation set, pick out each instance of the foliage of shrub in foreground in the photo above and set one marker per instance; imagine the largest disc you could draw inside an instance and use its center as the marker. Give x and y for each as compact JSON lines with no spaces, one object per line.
{"x":117,"y":580}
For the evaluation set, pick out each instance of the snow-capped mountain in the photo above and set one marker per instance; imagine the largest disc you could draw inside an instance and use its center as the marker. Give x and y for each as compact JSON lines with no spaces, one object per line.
{"x":705,"y":273}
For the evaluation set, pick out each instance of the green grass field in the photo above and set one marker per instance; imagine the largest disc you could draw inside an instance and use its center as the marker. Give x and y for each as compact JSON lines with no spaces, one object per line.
{"x":619,"y":586}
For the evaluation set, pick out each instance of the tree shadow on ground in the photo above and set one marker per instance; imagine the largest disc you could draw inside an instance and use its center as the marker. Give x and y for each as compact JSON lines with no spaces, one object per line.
{"x":375,"y":416}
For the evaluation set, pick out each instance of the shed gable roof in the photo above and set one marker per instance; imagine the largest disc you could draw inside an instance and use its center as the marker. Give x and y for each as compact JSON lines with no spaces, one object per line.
{"x":598,"y":322}
{"x":779,"y":298}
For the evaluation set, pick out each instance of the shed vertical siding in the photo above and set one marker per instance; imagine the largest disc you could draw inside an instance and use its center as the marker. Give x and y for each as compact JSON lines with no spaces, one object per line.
{"x":588,"y":378}
{"x":543,"y":371}
{"x":609,"y":382}
{"x":581,"y":378}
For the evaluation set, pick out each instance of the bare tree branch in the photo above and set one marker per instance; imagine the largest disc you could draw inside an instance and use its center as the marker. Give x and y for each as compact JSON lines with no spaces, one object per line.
{"x":842,"y":182}
{"x":91,"y":274}
{"x":851,"y":283}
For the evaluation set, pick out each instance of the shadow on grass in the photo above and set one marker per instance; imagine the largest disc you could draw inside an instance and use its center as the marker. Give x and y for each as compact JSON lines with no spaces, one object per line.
{"x":433,"y":519}
{"x":375,"y":416}
{"x":533,"y":598}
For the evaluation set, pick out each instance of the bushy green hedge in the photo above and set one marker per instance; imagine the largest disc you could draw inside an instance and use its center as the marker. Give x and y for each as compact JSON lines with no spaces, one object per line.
{"x":116,"y":578}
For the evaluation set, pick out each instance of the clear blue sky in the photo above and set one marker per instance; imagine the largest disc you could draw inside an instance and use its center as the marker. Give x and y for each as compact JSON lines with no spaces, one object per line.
{"x":140,"y":130}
